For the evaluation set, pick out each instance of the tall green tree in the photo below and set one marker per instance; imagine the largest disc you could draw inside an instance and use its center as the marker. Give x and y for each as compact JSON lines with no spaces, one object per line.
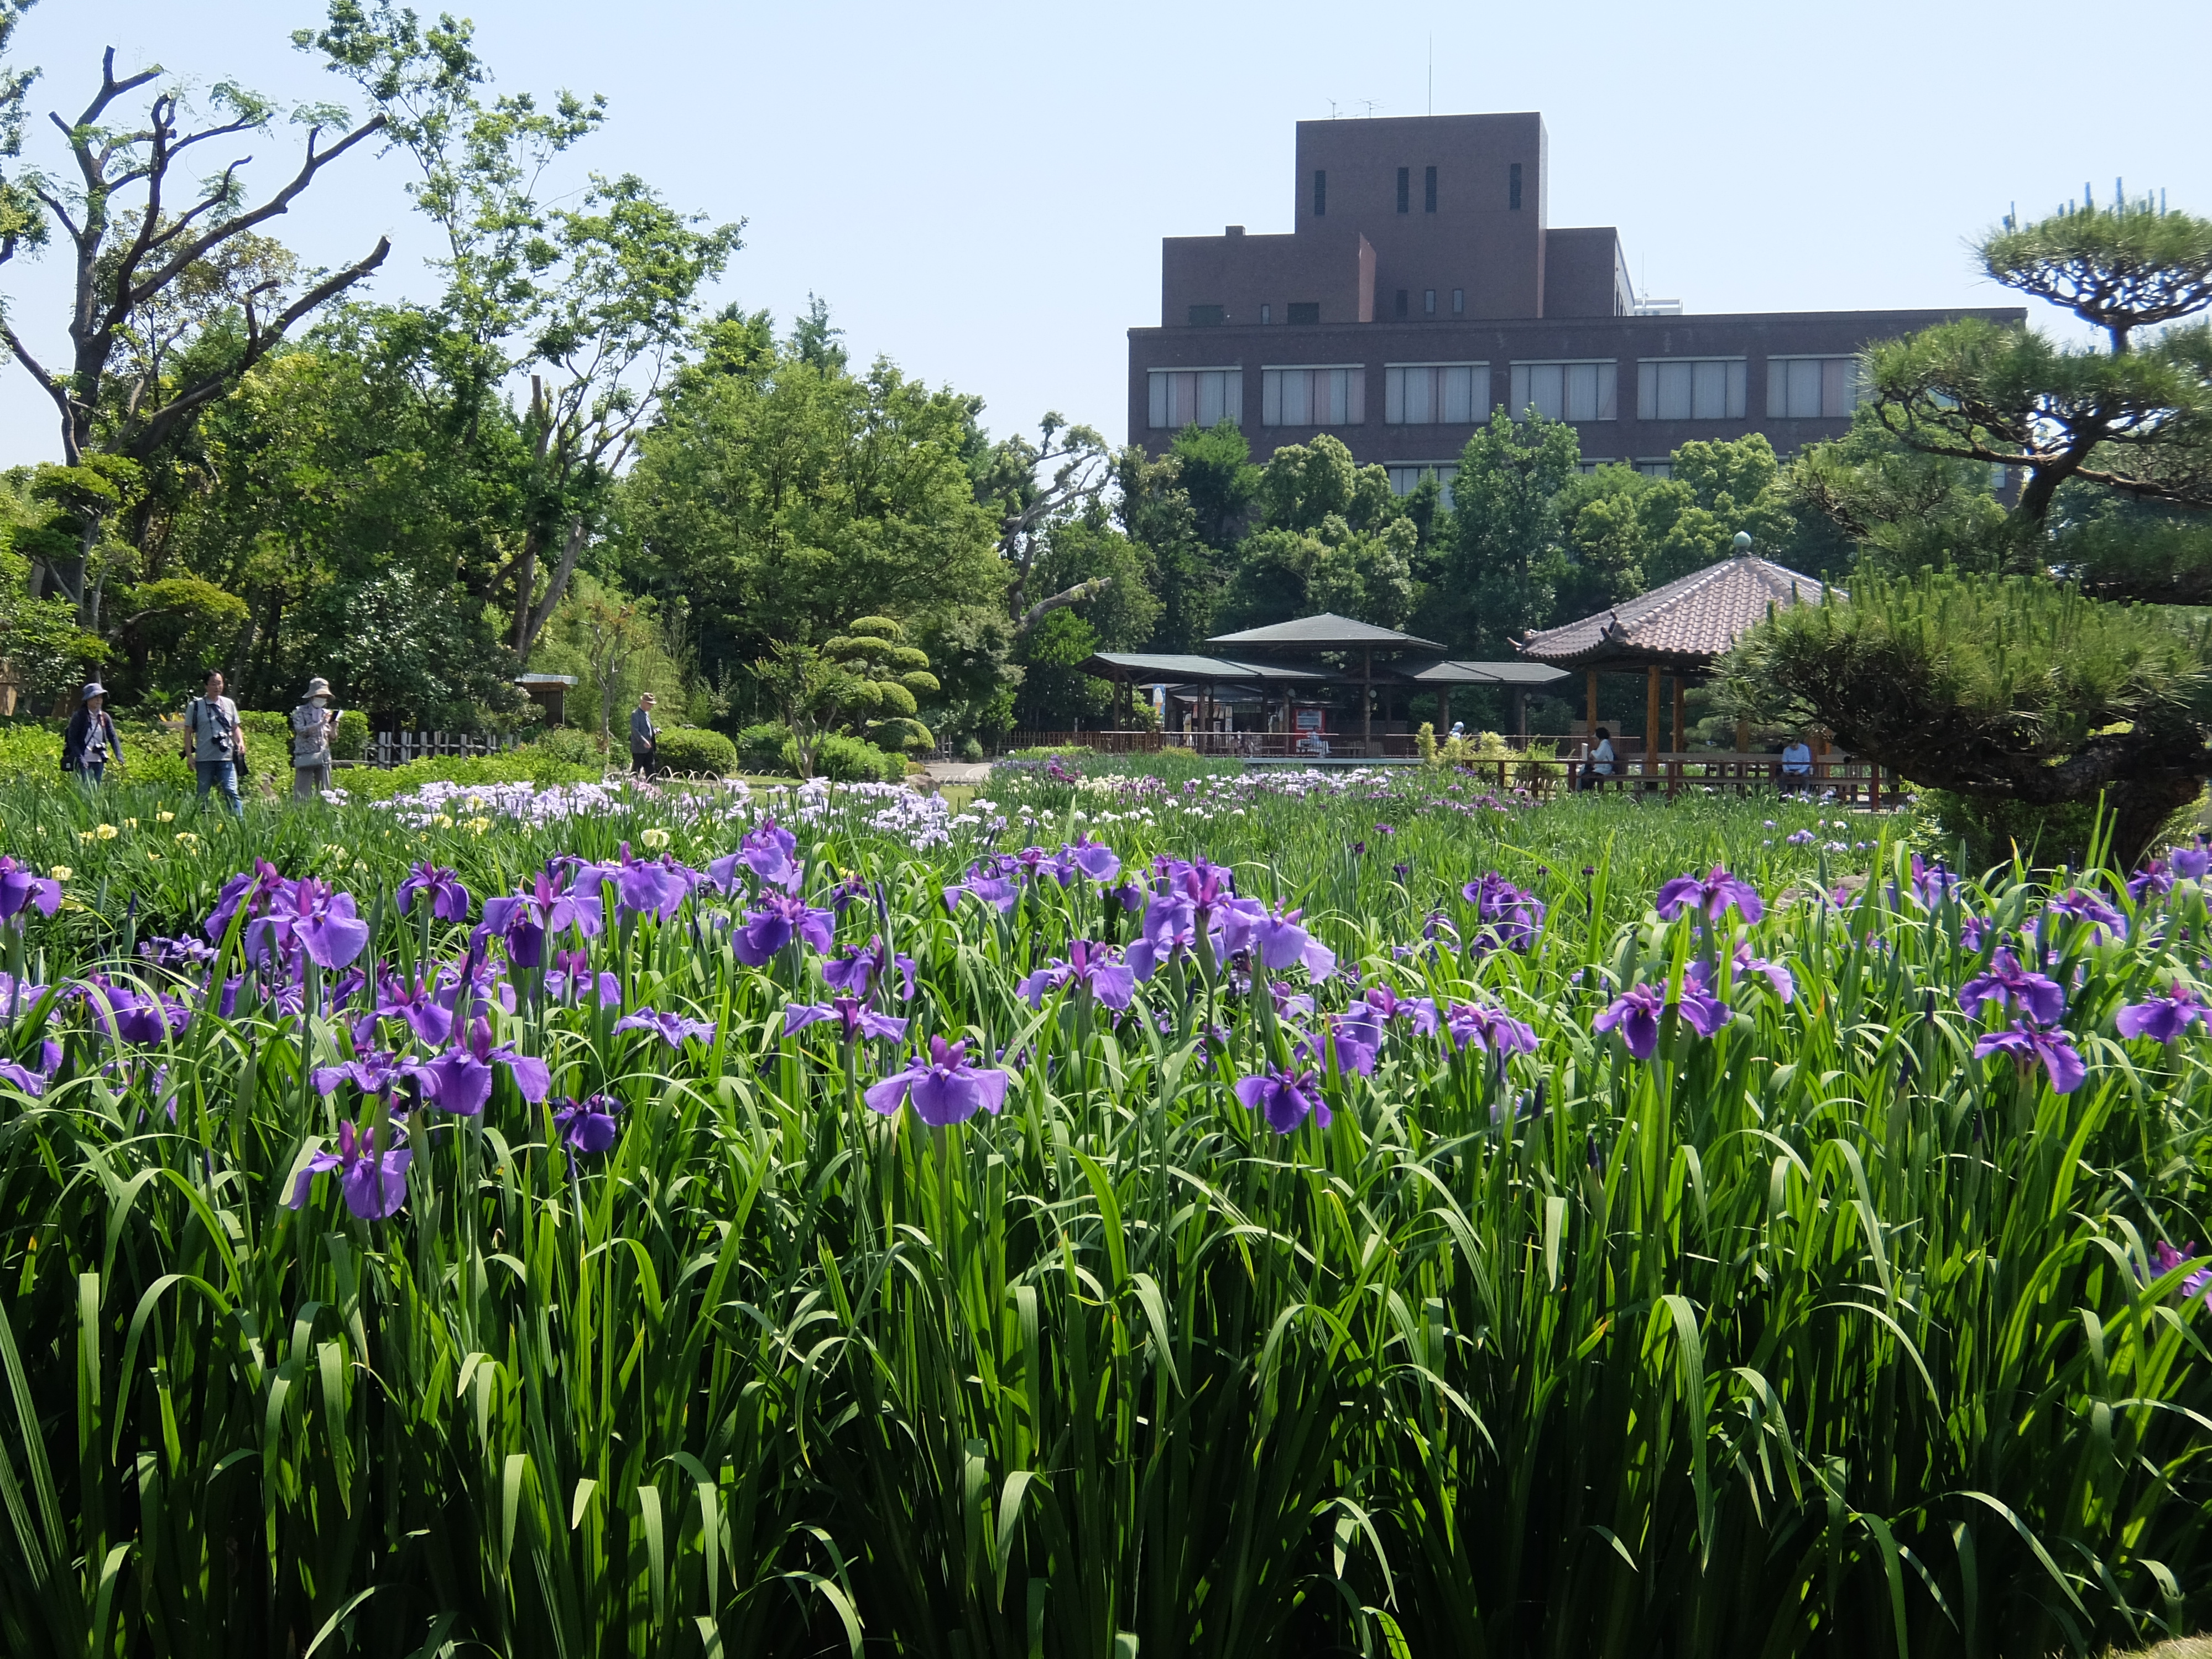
{"x":1502,"y":566}
{"x":2035,"y":686}
{"x":1330,"y":535}
{"x":783,"y":496}
{"x":163,"y":259}
{"x":592,"y":301}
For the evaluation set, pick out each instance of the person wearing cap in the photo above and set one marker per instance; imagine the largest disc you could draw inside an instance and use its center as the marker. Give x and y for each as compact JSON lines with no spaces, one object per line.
{"x":91,"y":737}
{"x":312,"y":722}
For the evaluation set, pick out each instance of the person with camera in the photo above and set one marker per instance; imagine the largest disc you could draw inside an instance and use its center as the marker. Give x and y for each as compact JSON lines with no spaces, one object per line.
{"x":217,"y":744}
{"x":91,"y":741}
{"x":313,"y":723}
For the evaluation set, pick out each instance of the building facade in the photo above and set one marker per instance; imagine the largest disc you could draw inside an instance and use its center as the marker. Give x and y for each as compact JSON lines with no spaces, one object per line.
{"x":1421,"y":287}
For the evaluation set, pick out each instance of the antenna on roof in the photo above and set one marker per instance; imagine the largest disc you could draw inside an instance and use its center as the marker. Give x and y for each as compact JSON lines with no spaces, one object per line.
{"x":1368,"y":106}
{"x":1432,"y":74}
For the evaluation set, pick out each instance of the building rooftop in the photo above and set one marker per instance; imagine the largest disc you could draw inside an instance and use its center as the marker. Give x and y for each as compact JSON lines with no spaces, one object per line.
{"x":1686,"y":623}
{"x":1326,"y":631}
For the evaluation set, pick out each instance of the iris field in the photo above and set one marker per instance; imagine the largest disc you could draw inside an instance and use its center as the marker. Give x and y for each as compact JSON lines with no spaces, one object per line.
{"x":1205,"y":1215}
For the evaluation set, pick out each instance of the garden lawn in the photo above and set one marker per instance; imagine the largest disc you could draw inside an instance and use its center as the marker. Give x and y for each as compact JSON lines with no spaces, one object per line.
{"x":1214,"y":1215}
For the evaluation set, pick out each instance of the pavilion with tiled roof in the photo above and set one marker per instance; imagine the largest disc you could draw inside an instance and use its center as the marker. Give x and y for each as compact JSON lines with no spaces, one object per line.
{"x":1681,"y":630}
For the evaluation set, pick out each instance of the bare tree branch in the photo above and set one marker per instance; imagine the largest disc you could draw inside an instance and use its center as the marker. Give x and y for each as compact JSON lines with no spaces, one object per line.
{"x":1067,"y":596}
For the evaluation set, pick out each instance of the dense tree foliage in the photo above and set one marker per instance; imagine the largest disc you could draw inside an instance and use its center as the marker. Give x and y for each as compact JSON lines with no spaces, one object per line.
{"x":2041,"y":653}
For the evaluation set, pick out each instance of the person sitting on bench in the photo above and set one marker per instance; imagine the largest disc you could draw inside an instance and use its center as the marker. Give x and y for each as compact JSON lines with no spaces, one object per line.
{"x":1599,"y":762}
{"x":1798,"y":758}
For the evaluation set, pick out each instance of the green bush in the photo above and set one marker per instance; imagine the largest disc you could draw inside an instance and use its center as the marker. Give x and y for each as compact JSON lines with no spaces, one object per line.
{"x":567,"y":745}
{"x":687,"y":749}
{"x":848,"y":760}
{"x":1065,"y":751}
{"x":768,"y":748}
{"x":971,"y":749}
{"x":350,"y":740}
{"x":528,"y":764}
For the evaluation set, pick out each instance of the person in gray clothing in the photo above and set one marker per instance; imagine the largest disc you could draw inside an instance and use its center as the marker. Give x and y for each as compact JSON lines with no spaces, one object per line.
{"x":217,"y":742}
{"x":312,"y":722}
{"x":91,"y":741}
{"x":644,"y":736}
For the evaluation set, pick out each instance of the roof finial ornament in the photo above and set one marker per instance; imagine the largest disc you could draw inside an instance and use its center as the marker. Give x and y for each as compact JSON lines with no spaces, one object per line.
{"x":1742,"y":544}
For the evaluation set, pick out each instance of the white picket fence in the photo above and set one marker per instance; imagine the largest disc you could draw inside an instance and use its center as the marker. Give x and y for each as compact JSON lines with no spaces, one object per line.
{"x":397,"y":748}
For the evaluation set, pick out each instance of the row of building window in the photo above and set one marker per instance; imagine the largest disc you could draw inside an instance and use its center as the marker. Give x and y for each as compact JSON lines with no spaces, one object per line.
{"x":1454,"y":394}
{"x":1406,"y":189}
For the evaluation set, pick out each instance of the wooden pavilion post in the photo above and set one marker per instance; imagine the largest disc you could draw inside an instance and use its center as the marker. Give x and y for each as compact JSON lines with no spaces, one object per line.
{"x":1590,"y":730}
{"x":1675,"y":771}
{"x":1443,"y":708}
{"x":1651,"y":721}
{"x":1367,"y":696}
{"x":1520,"y":711}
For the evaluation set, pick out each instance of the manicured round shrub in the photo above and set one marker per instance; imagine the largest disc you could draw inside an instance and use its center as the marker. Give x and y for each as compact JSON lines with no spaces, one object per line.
{"x":687,"y":749}
{"x":349,"y":741}
{"x":847,"y":760}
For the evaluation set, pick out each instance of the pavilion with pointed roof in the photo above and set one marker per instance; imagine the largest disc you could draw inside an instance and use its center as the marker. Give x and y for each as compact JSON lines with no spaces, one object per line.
{"x":1680,"y":629}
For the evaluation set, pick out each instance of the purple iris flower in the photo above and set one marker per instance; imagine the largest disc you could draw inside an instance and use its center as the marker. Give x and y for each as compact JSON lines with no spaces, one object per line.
{"x":417,"y":1003}
{"x":1487,"y":1030}
{"x":459,"y":1080}
{"x":32,"y":1083}
{"x":1129,"y":895}
{"x":674,"y":1029}
{"x":781,"y":918}
{"x":2053,"y":1050}
{"x":853,"y":1016}
{"x":373,"y":1072}
{"x":990,"y":880}
{"x":1154,"y":946}
{"x":1097,"y":968}
{"x":2162,"y":1019}
{"x":1784,"y":984}
{"x":945,"y":1085}
{"x":571,"y":980}
{"x":1275,"y":937}
{"x":1801,"y":838}
{"x":1704,"y":1012}
{"x":2165,"y":1259}
{"x":853,"y":968}
{"x":1931,"y":882}
{"x":643,"y":887}
{"x":587,"y":1126}
{"x":307,"y":917}
{"x":1284,"y":1098}
{"x":2154,"y":878}
{"x":768,"y":850}
{"x":139,"y":1017}
{"x":1354,"y":1043}
{"x":1509,"y":916}
{"x":849,"y":890}
{"x":1974,"y":932}
{"x":523,"y":921}
{"x":2189,"y":863}
{"x":250,"y":891}
{"x":182,"y":954}
{"x":373,"y":1182}
{"x":1388,"y":1004}
{"x":1635,"y":1014}
{"x":1711,"y":895}
{"x":2080,"y":906}
{"x":1093,"y":859}
{"x":2007,"y":983}
{"x":449,"y":900}
{"x":22,"y":886}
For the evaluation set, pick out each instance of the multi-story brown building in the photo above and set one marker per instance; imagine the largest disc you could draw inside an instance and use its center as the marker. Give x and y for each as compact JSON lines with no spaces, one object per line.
{"x":1421,"y":287}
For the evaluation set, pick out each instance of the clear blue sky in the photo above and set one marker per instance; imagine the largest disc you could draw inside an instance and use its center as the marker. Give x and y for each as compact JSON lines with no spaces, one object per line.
{"x":979,"y":190}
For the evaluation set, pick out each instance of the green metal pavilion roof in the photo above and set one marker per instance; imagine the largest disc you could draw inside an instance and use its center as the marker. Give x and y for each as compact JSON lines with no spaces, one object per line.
{"x":1325,"y":632}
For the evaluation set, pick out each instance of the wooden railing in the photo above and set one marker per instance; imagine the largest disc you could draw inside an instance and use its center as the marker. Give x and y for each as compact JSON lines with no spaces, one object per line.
{"x":397,"y":748}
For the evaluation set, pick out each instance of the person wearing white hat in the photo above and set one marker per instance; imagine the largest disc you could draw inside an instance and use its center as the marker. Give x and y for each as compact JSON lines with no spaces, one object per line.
{"x":91,"y":737}
{"x":312,"y":722}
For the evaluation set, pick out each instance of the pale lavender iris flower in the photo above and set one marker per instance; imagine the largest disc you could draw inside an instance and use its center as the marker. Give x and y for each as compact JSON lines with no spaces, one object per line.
{"x":373,"y":1181}
{"x":946,"y":1086}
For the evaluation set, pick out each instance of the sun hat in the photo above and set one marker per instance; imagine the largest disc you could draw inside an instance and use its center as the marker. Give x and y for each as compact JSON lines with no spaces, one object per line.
{"x":95,"y":689}
{"x":318,"y":688}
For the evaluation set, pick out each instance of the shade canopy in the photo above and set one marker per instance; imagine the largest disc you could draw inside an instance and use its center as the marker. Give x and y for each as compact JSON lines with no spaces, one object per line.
{"x":1177,"y":668}
{"x":1686,"y":624}
{"x":1325,"y":632}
